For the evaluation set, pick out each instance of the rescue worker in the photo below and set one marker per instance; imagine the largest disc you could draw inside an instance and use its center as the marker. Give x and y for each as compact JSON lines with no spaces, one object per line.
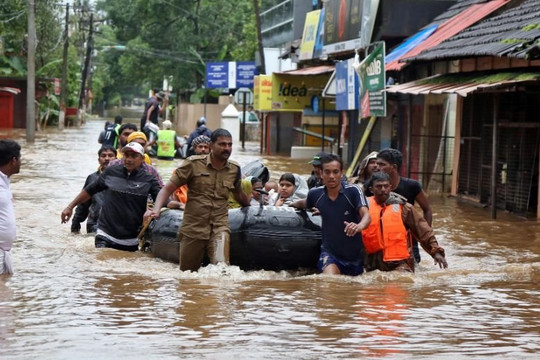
{"x":167,"y":142}
{"x":387,"y":240}
{"x":128,"y":186}
{"x":205,"y":226}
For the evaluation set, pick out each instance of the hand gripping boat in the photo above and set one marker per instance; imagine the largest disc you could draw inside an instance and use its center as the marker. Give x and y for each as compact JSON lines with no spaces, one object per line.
{"x":267,"y":237}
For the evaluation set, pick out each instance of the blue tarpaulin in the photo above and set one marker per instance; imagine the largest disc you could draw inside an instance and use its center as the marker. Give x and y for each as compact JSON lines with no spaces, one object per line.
{"x":410,"y":44}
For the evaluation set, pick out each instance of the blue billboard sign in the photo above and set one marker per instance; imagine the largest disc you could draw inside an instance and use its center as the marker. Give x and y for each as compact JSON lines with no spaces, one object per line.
{"x":230,"y":74}
{"x":346,"y":86}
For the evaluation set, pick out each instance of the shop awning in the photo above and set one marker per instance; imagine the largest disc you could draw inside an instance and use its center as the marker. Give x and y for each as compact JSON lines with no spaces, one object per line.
{"x":463,"y":83}
{"x":314,"y":70}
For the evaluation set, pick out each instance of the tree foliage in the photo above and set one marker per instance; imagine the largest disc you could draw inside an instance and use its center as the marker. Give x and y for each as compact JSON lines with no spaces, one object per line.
{"x":172,"y":38}
{"x":49,"y":23}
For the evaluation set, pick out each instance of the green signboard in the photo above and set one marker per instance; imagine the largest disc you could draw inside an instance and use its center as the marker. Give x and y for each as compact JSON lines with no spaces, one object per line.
{"x":372,"y":82}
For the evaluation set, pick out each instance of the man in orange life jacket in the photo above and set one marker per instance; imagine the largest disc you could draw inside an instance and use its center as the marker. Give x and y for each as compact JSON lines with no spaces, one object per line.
{"x":387,"y":240}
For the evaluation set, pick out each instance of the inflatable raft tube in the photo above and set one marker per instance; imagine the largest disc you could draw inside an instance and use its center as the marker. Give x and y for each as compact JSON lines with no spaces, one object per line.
{"x":262,"y":238}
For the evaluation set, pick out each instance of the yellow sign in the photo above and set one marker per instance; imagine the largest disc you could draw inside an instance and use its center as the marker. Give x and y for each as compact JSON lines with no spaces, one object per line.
{"x":294,"y":92}
{"x":310,"y":35}
{"x":262,"y":92}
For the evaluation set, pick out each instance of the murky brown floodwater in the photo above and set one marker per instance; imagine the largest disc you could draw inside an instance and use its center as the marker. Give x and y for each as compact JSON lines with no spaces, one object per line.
{"x":69,"y":300}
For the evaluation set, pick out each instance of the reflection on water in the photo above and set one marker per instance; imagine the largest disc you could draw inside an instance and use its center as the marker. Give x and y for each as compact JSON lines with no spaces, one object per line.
{"x":69,"y":300}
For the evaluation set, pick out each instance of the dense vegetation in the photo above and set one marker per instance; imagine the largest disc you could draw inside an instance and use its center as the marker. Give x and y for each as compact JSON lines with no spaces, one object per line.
{"x":136,"y":43}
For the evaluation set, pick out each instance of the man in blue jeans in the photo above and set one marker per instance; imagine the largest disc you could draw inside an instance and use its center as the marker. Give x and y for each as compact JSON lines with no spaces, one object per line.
{"x":344,"y":211}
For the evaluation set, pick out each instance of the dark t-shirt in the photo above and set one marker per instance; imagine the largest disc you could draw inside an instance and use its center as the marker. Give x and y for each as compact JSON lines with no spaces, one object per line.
{"x":334,"y":213}
{"x":408,"y":188}
{"x":154,"y":114}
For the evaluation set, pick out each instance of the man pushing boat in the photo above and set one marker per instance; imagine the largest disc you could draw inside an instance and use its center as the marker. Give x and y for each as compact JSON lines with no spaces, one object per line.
{"x":205,"y":226}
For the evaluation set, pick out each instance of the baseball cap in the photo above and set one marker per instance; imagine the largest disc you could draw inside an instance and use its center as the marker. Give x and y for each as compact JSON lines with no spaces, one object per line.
{"x":134,"y":147}
{"x":317,"y":158}
{"x":161,"y":95}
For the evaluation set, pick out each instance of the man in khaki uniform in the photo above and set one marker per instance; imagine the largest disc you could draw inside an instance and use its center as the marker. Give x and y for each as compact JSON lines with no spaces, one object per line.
{"x":210,"y":178}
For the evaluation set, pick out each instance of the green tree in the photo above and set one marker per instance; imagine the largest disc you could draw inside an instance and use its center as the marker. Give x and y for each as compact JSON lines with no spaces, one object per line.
{"x":49,"y":32}
{"x":174,"y":38}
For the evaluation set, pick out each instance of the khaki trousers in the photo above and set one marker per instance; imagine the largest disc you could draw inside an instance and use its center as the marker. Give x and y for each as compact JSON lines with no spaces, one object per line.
{"x":192,"y":250}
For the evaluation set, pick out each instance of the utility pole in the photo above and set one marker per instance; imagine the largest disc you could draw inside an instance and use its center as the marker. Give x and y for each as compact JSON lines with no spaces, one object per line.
{"x":63,"y":94}
{"x":85,"y":70}
{"x":31,"y":76}
{"x":259,"y":35}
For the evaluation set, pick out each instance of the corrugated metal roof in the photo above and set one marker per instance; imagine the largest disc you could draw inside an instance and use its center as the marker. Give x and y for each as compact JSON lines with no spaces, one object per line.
{"x":463,"y":84}
{"x":451,"y":27}
{"x":513,"y":33}
{"x":314,"y":70}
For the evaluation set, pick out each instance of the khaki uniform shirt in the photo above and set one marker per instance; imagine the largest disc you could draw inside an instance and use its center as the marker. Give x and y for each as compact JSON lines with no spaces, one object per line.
{"x":208,"y":192}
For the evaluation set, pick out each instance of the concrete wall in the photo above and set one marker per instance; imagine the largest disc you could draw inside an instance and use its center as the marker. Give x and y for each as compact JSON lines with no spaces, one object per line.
{"x":188,"y":114}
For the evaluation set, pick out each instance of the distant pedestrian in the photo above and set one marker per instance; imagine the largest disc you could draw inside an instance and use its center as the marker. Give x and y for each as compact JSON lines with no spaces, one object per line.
{"x":10,"y":163}
{"x":123,"y":134}
{"x":109,"y":136}
{"x":153,"y":108}
{"x":200,"y":130}
{"x":168,"y":143}
{"x":314,"y":179}
{"x":91,"y":209}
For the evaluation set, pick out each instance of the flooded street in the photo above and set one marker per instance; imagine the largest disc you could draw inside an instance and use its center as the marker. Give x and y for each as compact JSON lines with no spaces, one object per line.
{"x":69,"y":300}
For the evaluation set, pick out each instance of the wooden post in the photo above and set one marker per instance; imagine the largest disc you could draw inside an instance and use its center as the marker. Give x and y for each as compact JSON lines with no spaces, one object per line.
{"x":457,"y":146}
{"x":494,"y":157}
{"x":409,"y":136}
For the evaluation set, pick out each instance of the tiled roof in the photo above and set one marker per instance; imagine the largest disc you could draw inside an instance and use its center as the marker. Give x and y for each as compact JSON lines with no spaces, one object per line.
{"x":513,"y":33}
{"x":464,"y":17}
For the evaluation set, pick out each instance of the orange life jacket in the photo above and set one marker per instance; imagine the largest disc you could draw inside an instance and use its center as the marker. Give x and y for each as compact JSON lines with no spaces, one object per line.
{"x":386,"y":232}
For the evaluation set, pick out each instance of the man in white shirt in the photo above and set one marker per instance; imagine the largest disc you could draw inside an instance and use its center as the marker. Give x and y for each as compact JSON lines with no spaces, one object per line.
{"x":10,"y":163}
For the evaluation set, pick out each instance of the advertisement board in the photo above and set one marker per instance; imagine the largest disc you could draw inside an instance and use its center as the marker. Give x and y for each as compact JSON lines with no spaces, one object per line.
{"x":294,"y":92}
{"x":372,"y":83}
{"x":309,"y":36}
{"x":347,"y":89}
{"x":262,"y":92}
{"x":342,"y":25}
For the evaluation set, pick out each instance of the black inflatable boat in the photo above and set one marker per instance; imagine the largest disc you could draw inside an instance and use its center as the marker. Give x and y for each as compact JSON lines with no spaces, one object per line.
{"x":268,"y":237}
